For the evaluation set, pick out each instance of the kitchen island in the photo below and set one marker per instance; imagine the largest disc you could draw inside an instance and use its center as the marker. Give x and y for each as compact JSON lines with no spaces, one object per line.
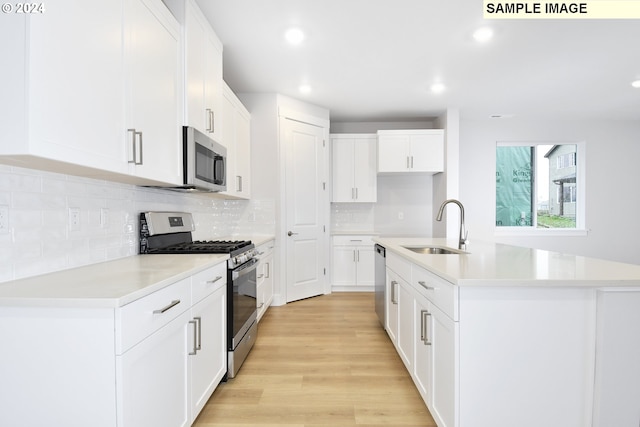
{"x":509,"y":336}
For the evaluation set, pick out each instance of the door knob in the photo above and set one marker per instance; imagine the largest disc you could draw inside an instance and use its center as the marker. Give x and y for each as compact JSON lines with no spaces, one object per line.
{"x":291,"y":233}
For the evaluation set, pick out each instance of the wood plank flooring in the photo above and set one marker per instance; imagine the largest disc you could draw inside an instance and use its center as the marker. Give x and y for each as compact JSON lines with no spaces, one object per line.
{"x":323,"y":361}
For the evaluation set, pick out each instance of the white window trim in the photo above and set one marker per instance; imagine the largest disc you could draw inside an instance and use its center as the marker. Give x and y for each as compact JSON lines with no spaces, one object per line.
{"x":581,"y":229}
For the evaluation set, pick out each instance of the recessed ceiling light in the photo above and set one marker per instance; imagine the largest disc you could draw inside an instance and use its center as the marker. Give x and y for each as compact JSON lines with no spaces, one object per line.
{"x":438,"y":87}
{"x":294,"y":36}
{"x":483,"y":34}
{"x":636,"y":84}
{"x":305,"y":89}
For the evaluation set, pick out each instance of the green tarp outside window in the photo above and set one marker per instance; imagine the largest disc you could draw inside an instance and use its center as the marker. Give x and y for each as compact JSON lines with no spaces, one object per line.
{"x":514,"y":186}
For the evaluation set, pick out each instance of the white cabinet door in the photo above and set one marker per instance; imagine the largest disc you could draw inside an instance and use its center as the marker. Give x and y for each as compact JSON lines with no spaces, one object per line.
{"x":62,"y":98}
{"x":152,"y":55}
{"x":342,"y":164}
{"x":412,"y":151}
{"x":344,"y":266}
{"x":265,"y":283}
{"x":365,"y":267}
{"x":393,"y":282}
{"x":236,"y":137}
{"x":203,"y":65}
{"x":154,"y":375}
{"x":405,"y":324}
{"x":442,"y":334}
{"x":423,"y":360}
{"x":364,"y":164}
{"x":207,"y":348}
{"x":354,"y":168}
{"x":427,"y":152}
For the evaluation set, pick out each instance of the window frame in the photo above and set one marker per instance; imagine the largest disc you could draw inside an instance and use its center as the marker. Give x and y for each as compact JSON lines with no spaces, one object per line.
{"x":580,"y":159}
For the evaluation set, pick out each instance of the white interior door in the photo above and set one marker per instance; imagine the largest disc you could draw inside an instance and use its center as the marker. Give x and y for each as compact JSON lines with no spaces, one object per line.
{"x":305,"y":222}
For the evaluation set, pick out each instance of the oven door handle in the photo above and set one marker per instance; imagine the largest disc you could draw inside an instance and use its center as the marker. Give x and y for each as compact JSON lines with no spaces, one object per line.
{"x":246,"y":268}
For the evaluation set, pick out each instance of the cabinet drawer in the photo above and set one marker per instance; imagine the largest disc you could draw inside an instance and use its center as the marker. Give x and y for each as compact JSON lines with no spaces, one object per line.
{"x":440,"y":292}
{"x":266,"y":248}
{"x":399,"y":265}
{"x":206,"y":282}
{"x":353,"y":240}
{"x":141,"y":318}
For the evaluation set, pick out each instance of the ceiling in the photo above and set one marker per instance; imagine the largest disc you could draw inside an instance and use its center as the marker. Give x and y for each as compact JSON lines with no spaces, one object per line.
{"x":376,"y":60}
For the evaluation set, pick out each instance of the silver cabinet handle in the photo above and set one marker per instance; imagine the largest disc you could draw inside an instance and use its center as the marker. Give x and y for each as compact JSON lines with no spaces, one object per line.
{"x":199,"y":320}
{"x":214,"y":280}
{"x":411,"y":162}
{"x":268,"y":268}
{"x":424,"y":285}
{"x":356,"y":193}
{"x":408,"y":164}
{"x":354,"y":256}
{"x":291,"y":233}
{"x":260,"y":276}
{"x":261,"y":305}
{"x":357,"y":255}
{"x":195,"y":337}
{"x":135,"y":137}
{"x":423,"y":323}
{"x":213,"y":122}
{"x":167,"y":308}
{"x":239,"y":183}
{"x":394,"y":291}
{"x":210,"y":121}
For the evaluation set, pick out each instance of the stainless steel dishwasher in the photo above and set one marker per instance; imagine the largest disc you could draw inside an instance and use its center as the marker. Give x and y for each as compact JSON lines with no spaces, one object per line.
{"x":380,"y":282}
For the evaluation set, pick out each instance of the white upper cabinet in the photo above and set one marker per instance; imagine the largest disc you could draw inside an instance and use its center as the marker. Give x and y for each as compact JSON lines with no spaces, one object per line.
{"x":81,"y":79}
{"x":411,"y":151}
{"x":354,"y":167}
{"x":64,"y":102}
{"x":203,"y":73}
{"x":236,"y":137}
{"x":152,"y":55}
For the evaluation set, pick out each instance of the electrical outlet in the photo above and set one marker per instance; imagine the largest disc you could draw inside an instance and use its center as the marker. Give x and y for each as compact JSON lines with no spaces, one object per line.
{"x":74,"y":219}
{"x":4,"y":219}
{"x":400,"y":215}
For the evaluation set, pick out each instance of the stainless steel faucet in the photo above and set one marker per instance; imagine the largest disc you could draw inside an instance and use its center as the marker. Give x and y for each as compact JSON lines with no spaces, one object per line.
{"x":462,"y":239}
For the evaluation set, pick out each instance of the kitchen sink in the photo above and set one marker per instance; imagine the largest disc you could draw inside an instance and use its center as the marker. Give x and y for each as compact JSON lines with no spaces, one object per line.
{"x":434,"y":250}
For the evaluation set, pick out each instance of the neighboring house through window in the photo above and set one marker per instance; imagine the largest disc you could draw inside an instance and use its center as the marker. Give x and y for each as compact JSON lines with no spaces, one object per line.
{"x":539,"y":186}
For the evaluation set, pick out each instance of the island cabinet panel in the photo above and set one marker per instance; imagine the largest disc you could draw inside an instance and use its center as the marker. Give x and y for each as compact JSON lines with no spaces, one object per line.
{"x":526,"y":356}
{"x":617,"y":383}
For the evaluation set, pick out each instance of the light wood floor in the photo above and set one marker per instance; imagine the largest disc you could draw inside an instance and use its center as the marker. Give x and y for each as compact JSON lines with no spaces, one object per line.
{"x":321,"y":361}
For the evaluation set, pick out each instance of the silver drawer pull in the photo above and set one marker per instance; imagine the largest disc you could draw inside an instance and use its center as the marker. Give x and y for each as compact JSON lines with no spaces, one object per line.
{"x":424,"y":285}
{"x":195,"y":338}
{"x":167,"y":308}
{"x":261,"y":305}
{"x":214,"y":280}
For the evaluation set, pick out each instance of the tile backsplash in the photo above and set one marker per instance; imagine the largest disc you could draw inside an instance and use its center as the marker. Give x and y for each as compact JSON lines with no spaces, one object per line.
{"x":41,"y":235}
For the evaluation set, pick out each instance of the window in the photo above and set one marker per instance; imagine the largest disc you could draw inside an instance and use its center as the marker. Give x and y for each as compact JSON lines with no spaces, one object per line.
{"x":539,"y":186}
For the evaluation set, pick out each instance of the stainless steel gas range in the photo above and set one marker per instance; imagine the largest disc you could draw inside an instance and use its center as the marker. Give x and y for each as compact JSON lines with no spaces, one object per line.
{"x":171,"y":233}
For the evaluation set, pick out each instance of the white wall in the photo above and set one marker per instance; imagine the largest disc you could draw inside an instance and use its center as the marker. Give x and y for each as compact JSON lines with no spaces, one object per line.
{"x":612,"y":176}
{"x":39,"y":239}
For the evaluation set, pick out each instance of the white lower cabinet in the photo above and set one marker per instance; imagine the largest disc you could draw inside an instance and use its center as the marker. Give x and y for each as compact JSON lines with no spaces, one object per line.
{"x":152,"y":362}
{"x":424,"y":335}
{"x":391,"y":319}
{"x":153,"y":377}
{"x":265,"y":281}
{"x":208,"y":355}
{"x":352,"y":266}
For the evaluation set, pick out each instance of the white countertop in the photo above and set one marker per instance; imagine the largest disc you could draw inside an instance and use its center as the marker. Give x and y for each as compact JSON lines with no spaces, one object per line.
{"x":489,"y":264}
{"x":107,"y":284}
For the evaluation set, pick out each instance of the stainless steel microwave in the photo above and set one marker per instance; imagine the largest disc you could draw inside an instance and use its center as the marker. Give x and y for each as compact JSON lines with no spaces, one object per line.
{"x":204,"y":162}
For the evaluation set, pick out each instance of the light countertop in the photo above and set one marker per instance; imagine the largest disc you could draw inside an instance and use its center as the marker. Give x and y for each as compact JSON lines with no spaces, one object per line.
{"x":489,"y":264}
{"x":107,"y":284}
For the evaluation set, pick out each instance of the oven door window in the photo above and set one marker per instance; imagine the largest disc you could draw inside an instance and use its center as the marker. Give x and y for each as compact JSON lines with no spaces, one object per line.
{"x":244,"y":294}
